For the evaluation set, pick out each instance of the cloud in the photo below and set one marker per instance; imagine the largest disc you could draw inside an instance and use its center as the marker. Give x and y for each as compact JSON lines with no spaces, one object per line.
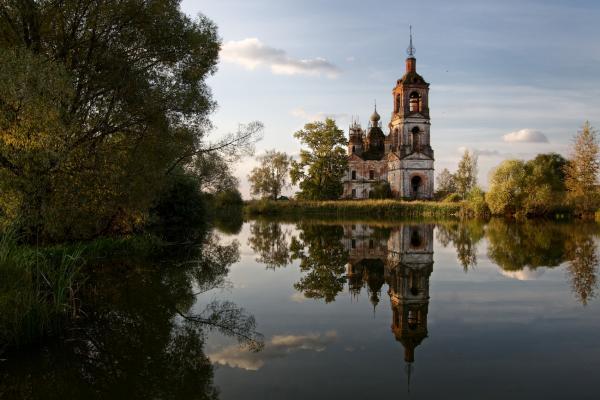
{"x":318,"y":116}
{"x":480,"y":152}
{"x":251,"y":53}
{"x":279,"y":346}
{"x":525,"y":136}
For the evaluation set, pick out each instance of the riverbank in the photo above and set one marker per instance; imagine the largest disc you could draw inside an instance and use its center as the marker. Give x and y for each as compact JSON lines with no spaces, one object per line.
{"x":396,"y":209}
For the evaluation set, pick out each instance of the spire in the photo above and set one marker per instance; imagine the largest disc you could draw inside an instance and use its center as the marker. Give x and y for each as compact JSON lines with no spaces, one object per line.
{"x":411,"y":49}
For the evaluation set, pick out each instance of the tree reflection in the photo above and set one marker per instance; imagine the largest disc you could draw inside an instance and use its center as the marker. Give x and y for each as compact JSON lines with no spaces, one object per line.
{"x":270,"y":242}
{"x":583,"y":266}
{"x":515,"y":245}
{"x":322,"y":258}
{"x":140,"y":338}
{"x":464,"y":236}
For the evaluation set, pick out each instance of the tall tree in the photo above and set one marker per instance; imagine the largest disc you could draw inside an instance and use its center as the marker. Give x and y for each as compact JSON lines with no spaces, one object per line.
{"x":271,"y":176}
{"x":320,"y":169}
{"x":100,"y":101}
{"x":581,"y":172}
{"x":446,"y":183}
{"x":508,"y":187}
{"x":466,"y":175}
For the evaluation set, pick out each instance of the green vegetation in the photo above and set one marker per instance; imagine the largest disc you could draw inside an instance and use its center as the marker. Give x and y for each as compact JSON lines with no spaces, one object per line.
{"x":101,"y":104}
{"x":271,"y":176}
{"x":353,"y":208}
{"x":320,"y":169}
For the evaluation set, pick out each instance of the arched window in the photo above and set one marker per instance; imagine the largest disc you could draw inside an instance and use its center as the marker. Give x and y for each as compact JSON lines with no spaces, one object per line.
{"x":398,"y":102}
{"x":353,"y":149}
{"x":415,"y":182}
{"x":416,"y":142}
{"x":414,"y":102}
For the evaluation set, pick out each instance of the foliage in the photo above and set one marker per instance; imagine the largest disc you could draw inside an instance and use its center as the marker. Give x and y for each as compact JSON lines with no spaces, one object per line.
{"x":322,"y":260}
{"x":320,"y":169}
{"x":354,"y":208}
{"x":581,"y":172}
{"x":180,"y":205}
{"x":535,"y":187}
{"x":475,"y":204}
{"x":446,"y":184}
{"x":465,"y":177}
{"x":37,"y":291}
{"x":583,"y":265}
{"x":99,"y":102}
{"x":507,"y":187}
{"x":452,"y":198}
{"x":381,"y":190}
{"x":270,"y":242}
{"x":464,"y":236}
{"x":271,"y":177}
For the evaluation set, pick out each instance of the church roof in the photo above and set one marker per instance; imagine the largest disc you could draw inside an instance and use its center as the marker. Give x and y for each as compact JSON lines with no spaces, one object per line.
{"x":412,"y":78}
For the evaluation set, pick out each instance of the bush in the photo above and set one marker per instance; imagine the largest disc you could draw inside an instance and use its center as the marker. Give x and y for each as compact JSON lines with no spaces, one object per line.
{"x":452,"y":198}
{"x":381,"y":190}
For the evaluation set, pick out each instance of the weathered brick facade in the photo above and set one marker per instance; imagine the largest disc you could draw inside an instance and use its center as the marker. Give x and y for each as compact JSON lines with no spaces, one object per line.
{"x":403,"y":158}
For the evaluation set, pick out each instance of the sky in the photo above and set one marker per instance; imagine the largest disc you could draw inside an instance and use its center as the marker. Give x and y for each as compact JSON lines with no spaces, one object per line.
{"x":508,"y":79}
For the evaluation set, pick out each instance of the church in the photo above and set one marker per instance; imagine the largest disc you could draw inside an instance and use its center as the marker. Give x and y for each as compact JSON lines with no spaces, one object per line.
{"x":403,"y":158}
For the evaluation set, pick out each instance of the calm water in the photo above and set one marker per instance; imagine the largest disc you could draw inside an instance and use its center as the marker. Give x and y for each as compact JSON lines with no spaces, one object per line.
{"x":325,"y":310}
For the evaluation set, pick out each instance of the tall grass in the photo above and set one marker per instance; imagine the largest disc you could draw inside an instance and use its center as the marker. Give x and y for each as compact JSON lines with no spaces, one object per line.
{"x":38,"y":291}
{"x":354,"y":208}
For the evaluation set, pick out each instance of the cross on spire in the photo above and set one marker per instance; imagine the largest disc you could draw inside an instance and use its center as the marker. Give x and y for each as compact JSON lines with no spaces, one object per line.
{"x":411,"y":49}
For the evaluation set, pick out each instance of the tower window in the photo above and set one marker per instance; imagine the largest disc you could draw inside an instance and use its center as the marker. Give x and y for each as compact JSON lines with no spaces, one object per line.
{"x":353,"y":149}
{"x":414,"y":102}
{"x":371,"y":174}
{"x":415,"y":139}
{"x":353,"y":243}
{"x":353,"y":175}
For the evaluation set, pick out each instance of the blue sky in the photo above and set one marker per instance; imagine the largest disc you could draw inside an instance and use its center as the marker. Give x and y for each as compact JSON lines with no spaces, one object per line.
{"x":508,"y":79}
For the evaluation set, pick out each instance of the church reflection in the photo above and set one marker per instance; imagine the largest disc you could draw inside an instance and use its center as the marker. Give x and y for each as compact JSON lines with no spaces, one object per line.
{"x":402,"y":257}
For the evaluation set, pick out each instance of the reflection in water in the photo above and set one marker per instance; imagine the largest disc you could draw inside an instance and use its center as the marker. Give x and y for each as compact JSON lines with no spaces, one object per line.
{"x":464,"y":236}
{"x":404,"y":260}
{"x":270,"y":242}
{"x":139,"y":338}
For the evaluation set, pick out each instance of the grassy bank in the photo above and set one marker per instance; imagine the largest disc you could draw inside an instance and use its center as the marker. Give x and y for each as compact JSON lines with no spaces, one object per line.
{"x":40,"y":286}
{"x":354,"y":208}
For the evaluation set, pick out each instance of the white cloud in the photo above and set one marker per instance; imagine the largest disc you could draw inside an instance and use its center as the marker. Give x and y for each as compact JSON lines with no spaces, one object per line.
{"x":279,"y":346}
{"x":318,"y":116}
{"x":251,"y":53}
{"x":525,"y":136}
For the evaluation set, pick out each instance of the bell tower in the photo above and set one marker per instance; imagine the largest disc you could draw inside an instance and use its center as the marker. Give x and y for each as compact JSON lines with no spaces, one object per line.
{"x":410,"y":131}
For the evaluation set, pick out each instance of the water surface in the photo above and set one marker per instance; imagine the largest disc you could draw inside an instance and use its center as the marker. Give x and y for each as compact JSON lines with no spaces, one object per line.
{"x":326,"y":310}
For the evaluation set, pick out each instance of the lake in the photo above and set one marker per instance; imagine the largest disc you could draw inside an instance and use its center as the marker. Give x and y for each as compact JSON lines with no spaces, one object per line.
{"x":335,"y":309}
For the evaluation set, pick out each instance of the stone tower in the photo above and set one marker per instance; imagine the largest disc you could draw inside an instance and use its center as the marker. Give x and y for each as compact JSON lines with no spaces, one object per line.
{"x":402,"y":159}
{"x":408,"y":269}
{"x":412,"y":174}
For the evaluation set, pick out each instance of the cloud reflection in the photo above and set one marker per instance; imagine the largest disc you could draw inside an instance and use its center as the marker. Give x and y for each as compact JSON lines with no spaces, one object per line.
{"x":279,"y":346}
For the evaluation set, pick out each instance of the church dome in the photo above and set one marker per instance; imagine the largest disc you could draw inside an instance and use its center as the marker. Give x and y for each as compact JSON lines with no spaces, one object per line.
{"x":375,"y":116}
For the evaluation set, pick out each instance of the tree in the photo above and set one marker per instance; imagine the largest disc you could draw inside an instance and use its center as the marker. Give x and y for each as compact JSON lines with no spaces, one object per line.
{"x":507,"y":187}
{"x":381,"y":190}
{"x":100,"y":102}
{"x":466,"y":175}
{"x":320,"y":169}
{"x":271,"y":177}
{"x":446,"y":183}
{"x":581,"y":172}
{"x":544,"y":184}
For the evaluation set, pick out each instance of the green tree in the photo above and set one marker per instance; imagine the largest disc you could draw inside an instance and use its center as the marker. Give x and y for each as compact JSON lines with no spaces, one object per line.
{"x":100,"y":101}
{"x":545,"y":187}
{"x":271,"y":177}
{"x":581,"y":172}
{"x":507,"y":187}
{"x":320,"y":169}
{"x":466,"y":175}
{"x":270,"y":242}
{"x":446,"y":184}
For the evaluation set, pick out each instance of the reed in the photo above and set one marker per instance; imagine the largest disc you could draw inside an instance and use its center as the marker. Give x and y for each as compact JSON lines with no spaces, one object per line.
{"x":354,"y":208}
